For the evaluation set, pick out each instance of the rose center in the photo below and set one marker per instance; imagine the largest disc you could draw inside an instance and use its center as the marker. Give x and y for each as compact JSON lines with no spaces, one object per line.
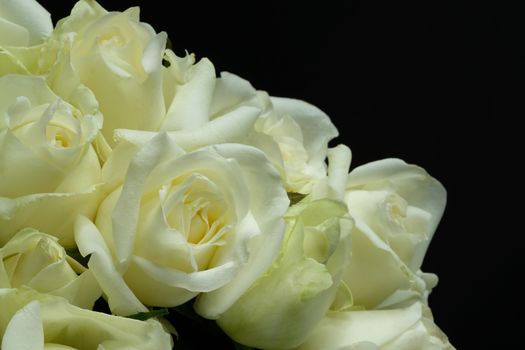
{"x":196,"y":208}
{"x":112,"y":39}
{"x":59,"y":137}
{"x":396,"y":208}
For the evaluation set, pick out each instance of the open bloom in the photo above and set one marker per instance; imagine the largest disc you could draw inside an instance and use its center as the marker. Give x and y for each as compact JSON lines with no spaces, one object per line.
{"x":49,"y":169}
{"x":183,"y":223}
{"x":118,"y":58}
{"x":139,"y":84}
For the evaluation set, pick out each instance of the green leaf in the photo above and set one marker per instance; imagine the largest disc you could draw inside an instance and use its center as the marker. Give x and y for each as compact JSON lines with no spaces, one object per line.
{"x":143,"y":316}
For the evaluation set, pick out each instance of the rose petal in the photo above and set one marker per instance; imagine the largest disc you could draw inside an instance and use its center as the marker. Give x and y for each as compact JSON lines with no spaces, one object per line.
{"x":24,"y":331}
{"x":120,"y":298}
{"x":30,"y":15}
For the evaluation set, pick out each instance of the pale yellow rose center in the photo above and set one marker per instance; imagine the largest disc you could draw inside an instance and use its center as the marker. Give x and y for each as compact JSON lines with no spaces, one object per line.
{"x":401,"y":225}
{"x":116,"y":41}
{"x":112,"y":39}
{"x":62,"y":131}
{"x":396,"y":209}
{"x":60,"y":137}
{"x":195,"y":207}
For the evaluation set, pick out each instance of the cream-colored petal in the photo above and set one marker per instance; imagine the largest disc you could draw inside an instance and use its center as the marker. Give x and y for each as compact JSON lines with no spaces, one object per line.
{"x":268,"y":206}
{"x":410,"y":328}
{"x":30,"y":15}
{"x":374,"y":271}
{"x":56,"y":213}
{"x":12,"y":34}
{"x":126,"y":212}
{"x":190,"y":106}
{"x":231,"y":91}
{"x":201,"y":281}
{"x":229,"y":128}
{"x":316,"y":127}
{"x":121,"y":299}
{"x":24,"y":331}
{"x":83,"y":291}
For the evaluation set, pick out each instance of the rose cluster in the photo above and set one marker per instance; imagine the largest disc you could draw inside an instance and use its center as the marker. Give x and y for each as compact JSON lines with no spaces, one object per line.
{"x":144,"y":180}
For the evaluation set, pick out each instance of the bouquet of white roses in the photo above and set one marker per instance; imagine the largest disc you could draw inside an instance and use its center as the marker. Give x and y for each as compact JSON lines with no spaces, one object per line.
{"x":140,"y":192}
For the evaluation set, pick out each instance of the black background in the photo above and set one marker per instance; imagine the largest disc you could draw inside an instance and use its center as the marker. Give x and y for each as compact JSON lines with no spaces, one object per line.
{"x":435,"y":84}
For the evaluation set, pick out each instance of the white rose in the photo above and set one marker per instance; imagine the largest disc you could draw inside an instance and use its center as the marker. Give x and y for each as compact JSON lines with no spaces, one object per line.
{"x":30,"y":320}
{"x":411,"y":328}
{"x":292,"y":133}
{"x":301,"y":132}
{"x":285,"y":304}
{"x":117,"y":57}
{"x":140,"y":85}
{"x":24,"y":25}
{"x":36,"y":260}
{"x":48,"y":168}
{"x":208,"y":221}
{"x":396,"y":208}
